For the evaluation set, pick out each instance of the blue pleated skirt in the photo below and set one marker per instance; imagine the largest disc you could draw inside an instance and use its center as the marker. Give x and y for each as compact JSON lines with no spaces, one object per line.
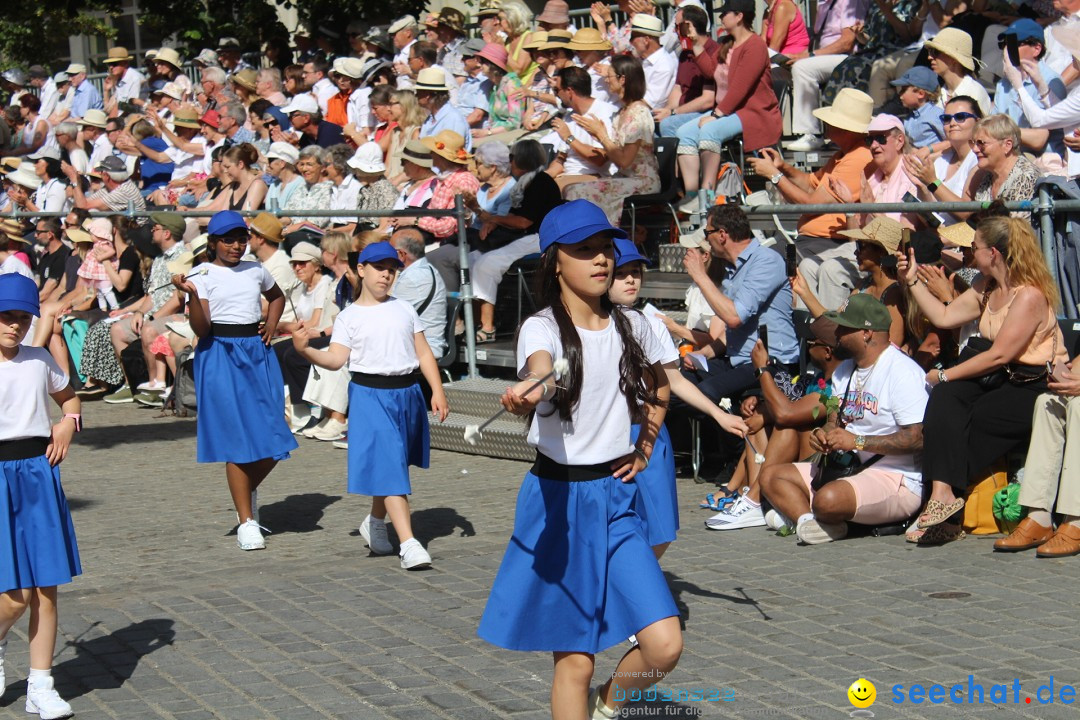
{"x":37,"y":537}
{"x":388,"y":432}
{"x":578,"y":575}
{"x":241,"y":397}
{"x":658,"y":499}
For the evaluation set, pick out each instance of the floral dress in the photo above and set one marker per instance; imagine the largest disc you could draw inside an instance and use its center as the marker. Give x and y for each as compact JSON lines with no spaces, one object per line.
{"x":507,"y":104}
{"x":632,"y":124}
{"x":883,"y":39}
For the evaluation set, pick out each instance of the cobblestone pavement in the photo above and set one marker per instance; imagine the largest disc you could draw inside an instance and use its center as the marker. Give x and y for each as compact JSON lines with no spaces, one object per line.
{"x":171,"y":620}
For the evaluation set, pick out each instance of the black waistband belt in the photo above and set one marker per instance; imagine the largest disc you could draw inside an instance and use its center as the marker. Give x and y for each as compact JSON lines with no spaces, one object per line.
{"x":223,"y":330}
{"x":23,"y":449}
{"x":549,"y":469}
{"x":386,"y":382}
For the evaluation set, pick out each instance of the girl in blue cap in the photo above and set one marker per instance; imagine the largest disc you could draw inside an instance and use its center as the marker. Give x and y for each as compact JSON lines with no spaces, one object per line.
{"x":659,"y":506}
{"x":37,"y":539}
{"x":382,"y":340}
{"x":237,"y":377}
{"x":578,"y":575}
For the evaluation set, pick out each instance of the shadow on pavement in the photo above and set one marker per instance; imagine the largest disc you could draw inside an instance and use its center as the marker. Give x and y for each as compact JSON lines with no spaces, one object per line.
{"x":433,"y":523}
{"x":296,"y":513}
{"x":114,"y":435}
{"x":679,"y":587}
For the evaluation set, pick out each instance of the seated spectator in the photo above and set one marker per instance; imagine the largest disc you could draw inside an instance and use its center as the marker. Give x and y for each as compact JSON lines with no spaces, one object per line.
{"x":594,"y":54}
{"x":508,"y":238}
{"x":51,"y":195}
{"x":118,"y":194}
{"x":313,"y":193}
{"x":659,"y":65}
{"x":264,"y":242}
{"x":232,"y":124}
{"x":554,"y":16}
{"x":827,"y":261}
{"x":421,"y":285}
{"x":702,"y":326}
{"x":888,"y":182}
{"x":349,"y":104}
{"x":618,"y":36}
{"x":917,"y":92}
{"x":580,"y":156}
{"x":552,"y":55}
{"x":507,"y":104}
{"x":22,"y":184}
{"x":164,"y":102}
{"x":496,"y":182}
{"x":71,"y":151}
{"x":281,"y":167}
{"x":451,"y":164}
{"x":629,"y":146}
{"x":783,"y":28}
{"x":420,"y":184}
{"x":37,"y":132}
{"x":515,"y":18}
{"x":321,"y":87}
{"x":950,"y":57}
{"x":953,"y":168}
{"x":154,"y":174}
{"x":345,"y":188}
{"x":268,"y":85}
{"x":1015,"y":301}
{"x":882,"y":401}
{"x":754,"y":292}
{"x":405,"y":110}
{"x":376,"y":192}
{"x":433,"y":95}
{"x":306,"y":119}
{"x":748,"y":108}
{"x":695,"y":91}
{"x":473,"y":96}
{"x":13,"y":251}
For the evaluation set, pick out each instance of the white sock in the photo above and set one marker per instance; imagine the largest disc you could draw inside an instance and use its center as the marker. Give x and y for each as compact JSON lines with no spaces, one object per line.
{"x":39,"y":674}
{"x":751,"y":503}
{"x":1041,"y":516}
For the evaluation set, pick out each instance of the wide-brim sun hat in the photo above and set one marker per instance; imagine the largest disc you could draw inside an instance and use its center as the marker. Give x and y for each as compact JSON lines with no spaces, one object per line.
{"x":94,"y":118}
{"x":432,"y":79}
{"x":245,"y":78}
{"x":558,"y":39}
{"x":959,"y":234}
{"x":25,"y":176}
{"x":851,"y":110}
{"x":169,"y":56}
{"x":956,"y":44}
{"x":78,"y":235}
{"x":881,"y":231}
{"x":118,"y":54}
{"x":449,"y":145}
{"x":13,"y":230}
{"x":573,"y":222}
{"x":588,"y":39}
{"x":186,"y":117}
{"x":368,"y":159}
{"x":416,"y":152}
{"x":536,"y":40}
{"x":496,"y":55}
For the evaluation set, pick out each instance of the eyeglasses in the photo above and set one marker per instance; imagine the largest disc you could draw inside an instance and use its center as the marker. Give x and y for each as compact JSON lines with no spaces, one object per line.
{"x":981,"y":144}
{"x":233,"y":239}
{"x":958,"y":117}
{"x":879,"y":138}
{"x":1029,"y":42}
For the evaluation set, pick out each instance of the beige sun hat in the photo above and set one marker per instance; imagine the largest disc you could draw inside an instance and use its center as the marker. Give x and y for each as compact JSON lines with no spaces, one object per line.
{"x":557,"y":39}
{"x":587,"y":38}
{"x":432,"y":79}
{"x":169,"y":56}
{"x":882,"y":231}
{"x":695,"y":239}
{"x":956,"y":44}
{"x":958,"y":234}
{"x":851,"y":110}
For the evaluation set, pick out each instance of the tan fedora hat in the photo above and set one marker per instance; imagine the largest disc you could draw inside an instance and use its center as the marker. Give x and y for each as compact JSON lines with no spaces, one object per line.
{"x":536,"y":39}
{"x":432,"y":79}
{"x":9,"y":164}
{"x":118,"y":54}
{"x":13,"y":229}
{"x":588,"y":39}
{"x":78,"y":235}
{"x":956,"y":44}
{"x":449,"y":145}
{"x":187,"y":117}
{"x":169,"y":56}
{"x":94,"y":118}
{"x":958,"y":234}
{"x":245,"y":78}
{"x":647,"y":25}
{"x":882,"y":231}
{"x":557,"y":39}
{"x":851,"y":110}
{"x":267,"y":226}
{"x":417,"y":152}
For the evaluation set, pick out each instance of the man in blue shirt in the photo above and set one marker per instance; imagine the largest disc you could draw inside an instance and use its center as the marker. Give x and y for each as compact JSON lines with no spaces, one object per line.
{"x":421,"y":285}
{"x":917,"y":90}
{"x":84,"y":95}
{"x":433,"y":94}
{"x":474,"y":95}
{"x":755,"y":293}
{"x":1032,"y":47}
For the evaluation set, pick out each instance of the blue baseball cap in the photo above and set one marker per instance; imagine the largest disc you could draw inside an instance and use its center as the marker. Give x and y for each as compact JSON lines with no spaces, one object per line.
{"x":627,"y":252}
{"x":377,"y":251}
{"x":921,"y":77}
{"x":573,"y":222}
{"x":18,"y":292}
{"x":1024,"y":29}
{"x":225,"y":221}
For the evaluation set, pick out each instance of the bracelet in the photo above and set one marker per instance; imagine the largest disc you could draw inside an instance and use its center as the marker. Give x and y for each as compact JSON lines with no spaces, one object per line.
{"x":77,"y":418}
{"x":913,"y":283}
{"x":641,"y":454}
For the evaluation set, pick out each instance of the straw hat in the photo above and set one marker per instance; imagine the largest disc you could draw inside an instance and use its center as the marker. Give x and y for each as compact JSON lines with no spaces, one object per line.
{"x":25,"y":176}
{"x":267,"y":226}
{"x":187,"y":117}
{"x":417,"y":152}
{"x":170,"y":89}
{"x":118,"y":54}
{"x":449,"y":145}
{"x":495,"y":54}
{"x":647,"y":25}
{"x":9,"y":164}
{"x":75,"y":68}
{"x":956,"y":44}
{"x":13,"y":229}
{"x":245,"y":78}
{"x":349,"y":67}
{"x":881,"y":231}
{"x":94,"y":118}
{"x":555,"y":11}
{"x":169,"y":56}
{"x":536,"y":39}
{"x":587,"y":38}
{"x":78,"y":235}
{"x":432,"y":79}
{"x":958,"y":235}
{"x":557,"y":39}
{"x":851,"y":110}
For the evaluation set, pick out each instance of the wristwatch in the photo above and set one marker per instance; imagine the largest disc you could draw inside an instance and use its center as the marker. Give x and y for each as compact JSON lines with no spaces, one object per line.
{"x":941,"y":376}
{"x":860,"y":442}
{"x":775,"y":179}
{"x":758,"y":372}
{"x":932,"y":187}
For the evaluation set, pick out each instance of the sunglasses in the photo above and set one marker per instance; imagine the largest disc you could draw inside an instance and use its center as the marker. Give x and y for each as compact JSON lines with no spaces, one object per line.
{"x":958,"y":117}
{"x":1029,"y":42}
{"x":879,"y":138}
{"x":232,"y":239}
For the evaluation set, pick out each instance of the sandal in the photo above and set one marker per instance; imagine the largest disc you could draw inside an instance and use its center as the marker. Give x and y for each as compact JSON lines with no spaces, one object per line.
{"x":937,"y":512}
{"x":914,"y":534}
{"x":484,"y":336}
{"x":941,"y":534}
{"x":718,"y":501}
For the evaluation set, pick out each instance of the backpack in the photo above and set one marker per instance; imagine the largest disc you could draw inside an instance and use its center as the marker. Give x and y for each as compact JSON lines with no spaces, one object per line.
{"x":730,"y":186}
{"x":183,"y":399}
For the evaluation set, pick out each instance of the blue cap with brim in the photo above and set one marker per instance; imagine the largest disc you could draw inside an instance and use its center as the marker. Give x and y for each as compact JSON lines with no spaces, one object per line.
{"x":921,"y":77}
{"x":573,"y":222}
{"x":1024,"y":29}
{"x":377,"y":251}
{"x":627,"y":252}
{"x":18,"y":292}
{"x":225,"y":221}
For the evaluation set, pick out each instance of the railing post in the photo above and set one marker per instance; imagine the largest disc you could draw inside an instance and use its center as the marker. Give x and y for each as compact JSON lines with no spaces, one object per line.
{"x":466,"y":287}
{"x":1046,"y":230}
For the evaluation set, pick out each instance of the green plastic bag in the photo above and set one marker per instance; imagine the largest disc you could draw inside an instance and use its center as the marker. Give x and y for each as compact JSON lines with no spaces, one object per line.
{"x":1007,"y":503}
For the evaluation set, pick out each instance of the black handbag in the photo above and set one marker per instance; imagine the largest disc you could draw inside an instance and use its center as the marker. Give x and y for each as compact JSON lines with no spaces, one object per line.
{"x":977,"y":345}
{"x":841,"y":463}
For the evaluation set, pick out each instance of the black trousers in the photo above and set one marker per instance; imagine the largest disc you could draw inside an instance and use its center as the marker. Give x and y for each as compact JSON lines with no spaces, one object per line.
{"x":294,"y":368}
{"x":967,"y":428}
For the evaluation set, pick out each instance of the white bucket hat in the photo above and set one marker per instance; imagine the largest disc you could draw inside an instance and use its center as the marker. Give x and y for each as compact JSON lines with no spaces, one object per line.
{"x":851,"y":110}
{"x":368,"y":159}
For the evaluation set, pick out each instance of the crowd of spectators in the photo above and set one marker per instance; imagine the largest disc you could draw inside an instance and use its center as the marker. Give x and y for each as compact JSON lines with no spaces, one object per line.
{"x":905,"y":101}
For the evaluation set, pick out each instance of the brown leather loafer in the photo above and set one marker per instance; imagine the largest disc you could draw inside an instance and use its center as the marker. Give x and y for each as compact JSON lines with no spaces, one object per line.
{"x":1066,"y":542}
{"x":1028,"y":534}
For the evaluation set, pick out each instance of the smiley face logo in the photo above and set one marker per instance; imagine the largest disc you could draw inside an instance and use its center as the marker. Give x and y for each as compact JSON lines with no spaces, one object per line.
{"x":862,"y":693}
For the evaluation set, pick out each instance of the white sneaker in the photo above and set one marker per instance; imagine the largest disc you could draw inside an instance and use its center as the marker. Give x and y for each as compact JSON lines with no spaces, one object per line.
{"x":812,"y":532}
{"x":807,"y":143}
{"x":413,"y":555}
{"x":301,"y":417}
{"x":342,"y":444}
{"x":333,"y":430}
{"x":3,"y":647}
{"x":741,"y":514}
{"x":249,"y":536}
{"x":775,"y":520}
{"x":152,"y":386}
{"x":690,"y":204}
{"x":310,"y":431}
{"x":373,"y":531}
{"x":44,"y":701}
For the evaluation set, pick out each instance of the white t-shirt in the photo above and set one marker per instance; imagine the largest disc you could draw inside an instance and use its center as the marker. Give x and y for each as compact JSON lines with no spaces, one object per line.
{"x":77,"y":159}
{"x":699,"y":313}
{"x":957,"y":182}
{"x":381,"y":338}
{"x":575,"y":164}
{"x":667,"y":343}
{"x":894,"y":394}
{"x":972,"y":88}
{"x":25,"y":384}
{"x":185,"y":163}
{"x":52,"y":196}
{"x":599,"y":430}
{"x":358,"y":109}
{"x":234,"y":293}
{"x":308,"y":301}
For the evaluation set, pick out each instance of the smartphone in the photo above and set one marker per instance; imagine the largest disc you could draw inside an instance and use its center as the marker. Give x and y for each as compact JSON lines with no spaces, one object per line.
{"x":791,"y":260}
{"x":905,"y":240}
{"x":129,"y":107}
{"x":1058,"y":372}
{"x":1012,"y":46}
{"x":763,"y":335}
{"x":354,"y":259}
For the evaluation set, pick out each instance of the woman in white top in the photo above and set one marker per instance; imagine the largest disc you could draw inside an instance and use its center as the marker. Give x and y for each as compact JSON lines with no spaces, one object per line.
{"x":950,"y":57}
{"x":237,"y":378}
{"x":52,"y":195}
{"x":952,"y":168}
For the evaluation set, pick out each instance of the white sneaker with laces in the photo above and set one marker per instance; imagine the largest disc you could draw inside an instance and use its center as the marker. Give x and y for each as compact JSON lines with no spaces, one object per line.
{"x":333,"y":430}
{"x":373,"y":531}
{"x":44,"y":701}
{"x":741,"y":514}
{"x":807,"y":143}
{"x":813,"y":532}
{"x":310,"y":431}
{"x":413,"y":555}
{"x":249,"y":536}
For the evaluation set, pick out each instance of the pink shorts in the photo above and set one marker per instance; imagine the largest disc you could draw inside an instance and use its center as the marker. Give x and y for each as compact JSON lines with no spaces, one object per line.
{"x":880,"y":497}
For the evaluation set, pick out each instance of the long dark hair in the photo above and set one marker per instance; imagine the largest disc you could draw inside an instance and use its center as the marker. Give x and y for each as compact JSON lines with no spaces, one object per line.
{"x":637,"y":378}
